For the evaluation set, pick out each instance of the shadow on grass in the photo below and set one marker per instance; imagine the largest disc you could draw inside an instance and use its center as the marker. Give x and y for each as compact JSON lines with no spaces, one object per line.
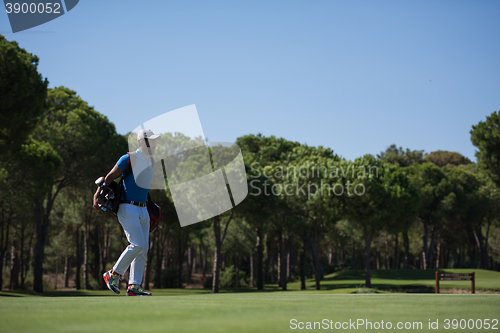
{"x":57,"y":293}
{"x":391,"y":274}
{"x":411,"y":281}
{"x":379,"y":286}
{"x":107,"y":293}
{"x":404,"y":280}
{"x":2,"y":294}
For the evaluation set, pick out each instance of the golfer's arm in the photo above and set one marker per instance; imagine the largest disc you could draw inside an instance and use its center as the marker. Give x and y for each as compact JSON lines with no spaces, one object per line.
{"x":113,"y":174}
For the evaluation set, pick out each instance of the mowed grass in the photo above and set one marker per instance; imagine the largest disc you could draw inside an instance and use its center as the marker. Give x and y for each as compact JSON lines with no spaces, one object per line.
{"x":192,"y":311}
{"x":246,"y":310}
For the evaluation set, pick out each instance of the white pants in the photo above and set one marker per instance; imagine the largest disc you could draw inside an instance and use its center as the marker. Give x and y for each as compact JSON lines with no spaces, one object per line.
{"x":135,"y":223}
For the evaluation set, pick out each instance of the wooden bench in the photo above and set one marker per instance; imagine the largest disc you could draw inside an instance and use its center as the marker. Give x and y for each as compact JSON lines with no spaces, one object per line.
{"x":455,"y":277}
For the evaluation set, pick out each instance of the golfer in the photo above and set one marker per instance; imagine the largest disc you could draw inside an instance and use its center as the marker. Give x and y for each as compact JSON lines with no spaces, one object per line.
{"x":132,"y":214}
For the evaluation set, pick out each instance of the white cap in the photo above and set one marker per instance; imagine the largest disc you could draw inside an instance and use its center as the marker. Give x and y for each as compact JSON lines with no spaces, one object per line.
{"x":146,"y":134}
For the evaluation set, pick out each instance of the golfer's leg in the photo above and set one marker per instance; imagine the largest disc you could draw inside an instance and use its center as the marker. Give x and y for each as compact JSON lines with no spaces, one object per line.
{"x":138,"y":264}
{"x":129,"y":218}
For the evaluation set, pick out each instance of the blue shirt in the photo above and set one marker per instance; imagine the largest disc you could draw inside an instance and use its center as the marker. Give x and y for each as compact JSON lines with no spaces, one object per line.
{"x":142,"y":174}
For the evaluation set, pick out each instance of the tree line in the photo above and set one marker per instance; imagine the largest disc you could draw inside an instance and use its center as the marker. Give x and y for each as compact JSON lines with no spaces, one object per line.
{"x":308,"y":213}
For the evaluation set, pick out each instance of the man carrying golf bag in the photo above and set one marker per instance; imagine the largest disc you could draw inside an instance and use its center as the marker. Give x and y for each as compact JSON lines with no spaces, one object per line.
{"x":132,"y":212}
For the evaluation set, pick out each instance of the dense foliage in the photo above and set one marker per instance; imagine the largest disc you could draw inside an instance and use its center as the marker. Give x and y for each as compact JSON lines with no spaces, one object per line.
{"x":308,"y":212}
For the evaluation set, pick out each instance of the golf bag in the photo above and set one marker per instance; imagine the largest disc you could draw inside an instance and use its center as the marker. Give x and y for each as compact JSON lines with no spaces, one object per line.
{"x":111,"y":195}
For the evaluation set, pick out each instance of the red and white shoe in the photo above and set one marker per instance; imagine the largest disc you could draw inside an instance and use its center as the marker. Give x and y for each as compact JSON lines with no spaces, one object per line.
{"x":112,"y":281}
{"x":137,"y":291}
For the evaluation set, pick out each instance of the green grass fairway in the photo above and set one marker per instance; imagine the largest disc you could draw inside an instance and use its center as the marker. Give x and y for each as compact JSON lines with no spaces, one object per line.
{"x":193,"y":311}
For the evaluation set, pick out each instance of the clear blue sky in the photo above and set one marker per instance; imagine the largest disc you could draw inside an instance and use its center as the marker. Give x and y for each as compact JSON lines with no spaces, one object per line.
{"x":355,"y":76}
